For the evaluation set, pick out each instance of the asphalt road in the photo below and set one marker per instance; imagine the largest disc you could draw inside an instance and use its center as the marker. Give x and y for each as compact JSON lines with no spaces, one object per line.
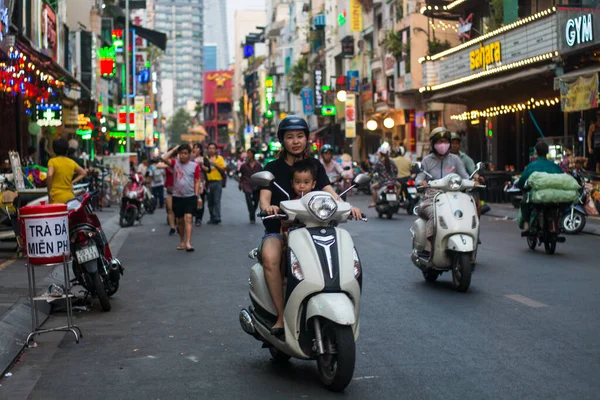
{"x":173,"y":331}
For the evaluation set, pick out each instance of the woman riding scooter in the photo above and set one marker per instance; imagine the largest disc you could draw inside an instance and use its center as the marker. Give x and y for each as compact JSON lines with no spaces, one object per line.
{"x":386,"y":170}
{"x":293,"y":135}
{"x":436,"y":165}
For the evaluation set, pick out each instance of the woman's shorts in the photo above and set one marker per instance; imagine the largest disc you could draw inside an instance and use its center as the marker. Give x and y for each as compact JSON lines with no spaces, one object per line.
{"x":184,"y":205}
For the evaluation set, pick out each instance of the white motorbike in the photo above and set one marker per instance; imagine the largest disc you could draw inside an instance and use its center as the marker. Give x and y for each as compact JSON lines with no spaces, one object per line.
{"x":323,"y":284}
{"x":456,"y":233}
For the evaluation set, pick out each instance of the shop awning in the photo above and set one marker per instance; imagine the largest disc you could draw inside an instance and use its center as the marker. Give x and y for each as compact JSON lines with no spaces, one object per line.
{"x":51,"y":66}
{"x":313,"y":134}
{"x":574,"y":74}
{"x":489,"y":83}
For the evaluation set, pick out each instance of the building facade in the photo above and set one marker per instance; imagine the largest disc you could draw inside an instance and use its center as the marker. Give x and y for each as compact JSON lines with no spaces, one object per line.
{"x":215,"y":30}
{"x":181,"y":66}
{"x":211,"y":51}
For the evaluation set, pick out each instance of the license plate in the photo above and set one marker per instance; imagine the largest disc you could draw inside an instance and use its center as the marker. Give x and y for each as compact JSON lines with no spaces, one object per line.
{"x":412,"y":190}
{"x":391,"y":197}
{"x":87,"y":254}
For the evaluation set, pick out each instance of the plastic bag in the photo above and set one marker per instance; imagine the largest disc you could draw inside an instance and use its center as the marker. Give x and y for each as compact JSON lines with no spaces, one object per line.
{"x":544,"y":180}
{"x":553,"y":196}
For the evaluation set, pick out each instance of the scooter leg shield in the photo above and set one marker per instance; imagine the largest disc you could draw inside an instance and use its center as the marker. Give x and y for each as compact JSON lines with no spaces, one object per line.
{"x":461,"y":243}
{"x":336,"y":307}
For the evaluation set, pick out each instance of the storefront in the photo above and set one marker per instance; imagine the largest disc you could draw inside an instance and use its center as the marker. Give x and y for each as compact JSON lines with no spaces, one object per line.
{"x":506,"y":80}
{"x":578,"y":31}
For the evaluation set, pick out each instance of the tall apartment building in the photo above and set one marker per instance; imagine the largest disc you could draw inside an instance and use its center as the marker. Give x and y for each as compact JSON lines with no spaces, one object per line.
{"x":215,"y":30}
{"x":182,"y":65}
{"x":211,"y":54}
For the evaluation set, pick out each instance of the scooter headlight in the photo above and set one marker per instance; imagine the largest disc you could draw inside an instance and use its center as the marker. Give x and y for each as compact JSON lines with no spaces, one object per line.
{"x":322,"y":207}
{"x":357,"y":264}
{"x":132,"y":195}
{"x":455,"y":182}
{"x":295,"y":266}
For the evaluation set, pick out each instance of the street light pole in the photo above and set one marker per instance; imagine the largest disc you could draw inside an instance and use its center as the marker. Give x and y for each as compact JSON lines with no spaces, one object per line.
{"x":127,"y":99}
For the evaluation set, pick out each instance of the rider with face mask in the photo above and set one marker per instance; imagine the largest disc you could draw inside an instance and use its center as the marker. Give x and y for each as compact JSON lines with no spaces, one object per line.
{"x":439,"y":163}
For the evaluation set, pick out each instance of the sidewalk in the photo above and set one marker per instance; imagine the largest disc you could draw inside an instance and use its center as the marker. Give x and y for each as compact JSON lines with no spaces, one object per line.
{"x":505,"y":210}
{"x":15,"y":313}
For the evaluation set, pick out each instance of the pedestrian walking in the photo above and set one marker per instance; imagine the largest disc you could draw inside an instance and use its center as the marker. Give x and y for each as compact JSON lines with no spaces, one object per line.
{"x":215,"y":184}
{"x":251,"y":191}
{"x":186,"y":188}
{"x":157,"y":181}
{"x":169,"y":188}
{"x":198,"y":155}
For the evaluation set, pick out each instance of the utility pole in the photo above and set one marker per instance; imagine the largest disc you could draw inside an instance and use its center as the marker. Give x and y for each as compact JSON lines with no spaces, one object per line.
{"x":127,"y":99}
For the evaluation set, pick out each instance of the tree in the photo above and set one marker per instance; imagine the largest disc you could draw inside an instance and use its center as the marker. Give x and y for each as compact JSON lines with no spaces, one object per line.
{"x":178,"y":125}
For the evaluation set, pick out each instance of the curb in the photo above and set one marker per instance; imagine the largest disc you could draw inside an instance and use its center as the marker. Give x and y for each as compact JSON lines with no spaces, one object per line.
{"x":15,"y":324}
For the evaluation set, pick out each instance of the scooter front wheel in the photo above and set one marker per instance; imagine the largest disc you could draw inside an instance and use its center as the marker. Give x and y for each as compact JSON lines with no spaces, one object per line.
{"x":336,"y":366}
{"x":573,"y":224}
{"x":461,"y":272}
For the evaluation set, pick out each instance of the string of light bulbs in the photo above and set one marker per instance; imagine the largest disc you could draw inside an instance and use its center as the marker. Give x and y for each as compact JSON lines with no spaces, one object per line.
{"x":506,"y":109}
{"x":490,"y":71}
{"x":443,"y":26}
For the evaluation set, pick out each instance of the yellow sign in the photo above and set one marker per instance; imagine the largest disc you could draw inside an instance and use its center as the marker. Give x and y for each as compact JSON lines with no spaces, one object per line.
{"x":580,"y":94}
{"x":139,"y":106}
{"x":486,"y":55}
{"x":355,"y":16}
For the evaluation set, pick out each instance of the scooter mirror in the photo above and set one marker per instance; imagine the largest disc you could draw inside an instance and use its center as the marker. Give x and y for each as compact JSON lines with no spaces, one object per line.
{"x":262,"y":178}
{"x":362,"y":179}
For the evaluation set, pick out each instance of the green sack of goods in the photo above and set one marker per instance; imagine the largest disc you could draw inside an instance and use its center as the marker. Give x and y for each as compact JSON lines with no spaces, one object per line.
{"x":544,"y":180}
{"x":553,"y":196}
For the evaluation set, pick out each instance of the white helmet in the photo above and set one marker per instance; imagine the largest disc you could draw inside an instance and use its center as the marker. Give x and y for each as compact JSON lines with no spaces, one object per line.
{"x":385,"y":148}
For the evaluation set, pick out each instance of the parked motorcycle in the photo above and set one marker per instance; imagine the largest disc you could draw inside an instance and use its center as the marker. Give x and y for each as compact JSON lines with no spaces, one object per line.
{"x":456,"y":233}
{"x":322,"y":290}
{"x":575,"y":216}
{"x":94,"y":266}
{"x":135,"y":201}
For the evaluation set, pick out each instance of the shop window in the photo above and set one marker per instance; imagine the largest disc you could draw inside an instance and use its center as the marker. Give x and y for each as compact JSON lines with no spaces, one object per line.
{"x":209,"y":112}
{"x":223,"y":137}
{"x":211,"y":133}
{"x":224,"y":111}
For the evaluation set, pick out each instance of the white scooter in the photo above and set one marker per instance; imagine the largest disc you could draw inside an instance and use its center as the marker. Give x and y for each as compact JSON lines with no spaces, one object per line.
{"x":323,"y":288}
{"x":456,"y":233}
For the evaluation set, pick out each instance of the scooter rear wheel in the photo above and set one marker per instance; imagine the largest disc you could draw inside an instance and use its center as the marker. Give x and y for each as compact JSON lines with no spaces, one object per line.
{"x":531,"y":242}
{"x":101,"y":292}
{"x":336,"y":366}
{"x":550,"y":244}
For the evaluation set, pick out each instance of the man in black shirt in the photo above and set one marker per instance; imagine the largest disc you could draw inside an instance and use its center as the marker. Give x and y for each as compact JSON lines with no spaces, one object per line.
{"x":293,"y":135}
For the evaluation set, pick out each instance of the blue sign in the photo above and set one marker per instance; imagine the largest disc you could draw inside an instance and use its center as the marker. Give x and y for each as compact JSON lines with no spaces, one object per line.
{"x":352,"y":81}
{"x":308,"y":105}
{"x":248,"y":51}
{"x":144,"y":76}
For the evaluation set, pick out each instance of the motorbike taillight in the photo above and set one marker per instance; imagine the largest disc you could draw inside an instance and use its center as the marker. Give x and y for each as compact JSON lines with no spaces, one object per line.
{"x":390,"y":187}
{"x":410,"y":182}
{"x":82,"y":238}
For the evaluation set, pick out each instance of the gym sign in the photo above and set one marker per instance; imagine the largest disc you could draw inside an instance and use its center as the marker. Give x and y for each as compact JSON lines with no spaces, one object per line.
{"x":577,"y":28}
{"x":484,"y":56}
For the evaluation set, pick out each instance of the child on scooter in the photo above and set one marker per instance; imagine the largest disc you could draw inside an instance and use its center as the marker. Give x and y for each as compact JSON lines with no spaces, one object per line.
{"x":304,"y":173}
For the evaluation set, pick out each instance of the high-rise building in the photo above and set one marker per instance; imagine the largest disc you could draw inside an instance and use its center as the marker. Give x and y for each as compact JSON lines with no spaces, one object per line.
{"x":215,"y":30}
{"x":211,"y":53}
{"x":182,"y":21}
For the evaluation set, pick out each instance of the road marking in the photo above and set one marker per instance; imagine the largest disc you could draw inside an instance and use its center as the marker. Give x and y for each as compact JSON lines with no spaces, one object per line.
{"x":192,"y":358}
{"x":526,"y":300}
{"x":7,"y":263}
{"x":359,"y":378}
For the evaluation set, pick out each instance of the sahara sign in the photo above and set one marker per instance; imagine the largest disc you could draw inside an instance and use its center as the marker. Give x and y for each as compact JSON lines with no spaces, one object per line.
{"x":484,"y":56}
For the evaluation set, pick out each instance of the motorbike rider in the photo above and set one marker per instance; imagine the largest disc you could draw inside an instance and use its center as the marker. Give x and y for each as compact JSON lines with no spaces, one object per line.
{"x":455,"y":141}
{"x":439,"y":163}
{"x":293,"y":135}
{"x":405,"y":172}
{"x":333,"y":169}
{"x":542,"y":164}
{"x":386,"y":170}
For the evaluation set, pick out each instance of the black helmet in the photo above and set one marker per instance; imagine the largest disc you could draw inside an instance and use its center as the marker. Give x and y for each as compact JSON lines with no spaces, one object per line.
{"x":292,"y":123}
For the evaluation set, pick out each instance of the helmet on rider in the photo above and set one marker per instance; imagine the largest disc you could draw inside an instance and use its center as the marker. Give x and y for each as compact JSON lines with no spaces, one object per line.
{"x":437,"y":135}
{"x":455,"y":140}
{"x":326,"y":148}
{"x":292,"y":123}
{"x":385,"y":149}
{"x":455,"y":136}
